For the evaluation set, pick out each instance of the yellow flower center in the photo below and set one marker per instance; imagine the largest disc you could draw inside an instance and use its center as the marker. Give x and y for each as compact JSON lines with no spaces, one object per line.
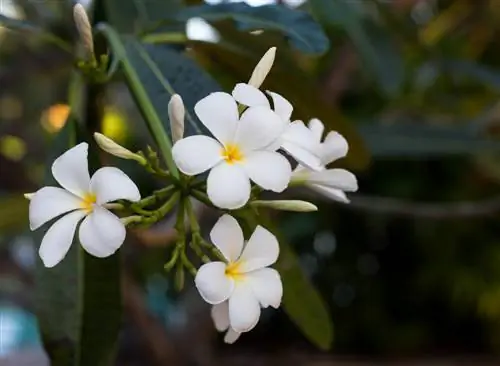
{"x":232,"y":153}
{"x":88,"y":202}
{"x":233,"y":271}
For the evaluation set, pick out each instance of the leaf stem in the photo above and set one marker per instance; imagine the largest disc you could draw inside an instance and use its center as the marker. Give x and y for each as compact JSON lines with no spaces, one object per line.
{"x":136,"y":86}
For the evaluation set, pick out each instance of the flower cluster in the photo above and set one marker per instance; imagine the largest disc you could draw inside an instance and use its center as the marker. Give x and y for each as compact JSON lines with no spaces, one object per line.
{"x":253,"y":145}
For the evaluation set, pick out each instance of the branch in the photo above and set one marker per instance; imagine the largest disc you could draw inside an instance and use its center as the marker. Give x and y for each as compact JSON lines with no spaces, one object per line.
{"x":440,"y":211}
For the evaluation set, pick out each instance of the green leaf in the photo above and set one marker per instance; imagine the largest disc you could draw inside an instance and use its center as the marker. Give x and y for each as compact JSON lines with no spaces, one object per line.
{"x":131,"y":16}
{"x":419,"y":140}
{"x":159,"y":71}
{"x":377,"y":50}
{"x":78,"y":301}
{"x":301,"y":300}
{"x":141,"y":88}
{"x":164,"y":72}
{"x":18,"y":25}
{"x":299,"y":27}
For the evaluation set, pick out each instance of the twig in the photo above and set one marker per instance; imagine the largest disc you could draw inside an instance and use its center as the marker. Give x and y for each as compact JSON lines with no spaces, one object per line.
{"x":394,"y":206}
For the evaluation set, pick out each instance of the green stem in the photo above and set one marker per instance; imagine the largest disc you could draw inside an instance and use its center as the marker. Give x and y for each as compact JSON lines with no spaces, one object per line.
{"x":151,"y":116}
{"x":202,"y":197}
{"x":166,"y":37}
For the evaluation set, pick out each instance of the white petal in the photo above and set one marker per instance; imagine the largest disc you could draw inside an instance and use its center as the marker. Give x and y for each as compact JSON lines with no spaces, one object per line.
{"x":58,"y":239}
{"x":270,"y":170}
{"x":213,"y":284}
{"x":71,"y":170}
{"x":50,"y":202}
{"x":101,"y":233}
{"x":220,"y":316}
{"x":334,"y":147}
{"x":335,"y":178}
{"x":300,"y":143}
{"x":317,"y":128}
{"x":267,"y":287}
{"x":219,"y":113}
{"x":196,"y":154}
{"x":302,"y":156}
{"x":258,"y":128}
{"x":332,"y":193}
{"x":298,"y":134}
{"x":244,"y":308}
{"x":228,"y":237}
{"x":250,"y":96}
{"x":111,"y":184}
{"x":262,"y":250}
{"x":231,"y":336}
{"x":281,"y":106}
{"x":228,"y":186}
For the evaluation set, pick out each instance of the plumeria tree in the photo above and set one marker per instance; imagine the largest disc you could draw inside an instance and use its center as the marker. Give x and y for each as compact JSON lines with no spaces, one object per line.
{"x":235,"y":151}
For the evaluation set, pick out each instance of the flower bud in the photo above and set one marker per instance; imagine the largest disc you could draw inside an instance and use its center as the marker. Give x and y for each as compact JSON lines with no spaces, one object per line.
{"x":29,"y":196}
{"x":113,"y":148}
{"x":287,"y":205}
{"x":84,"y":28}
{"x":263,"y":67}
{"x":176,"y":114}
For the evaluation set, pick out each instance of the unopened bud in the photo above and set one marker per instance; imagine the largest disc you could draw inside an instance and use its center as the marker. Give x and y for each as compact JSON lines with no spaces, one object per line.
{"x":113,"y":148}
{"x":286,"y":205}
{"x":84,"y":28}
{"x":29,"y":196}
{"x":176,"y":114}
{"x":263,"y":67}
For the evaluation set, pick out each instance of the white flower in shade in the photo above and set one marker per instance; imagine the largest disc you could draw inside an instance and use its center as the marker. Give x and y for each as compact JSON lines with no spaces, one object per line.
{"x":101,"y":233}
{"x":237,"y":154}
{"x":297,"y":140}
{"x":331,"y":183}
{"x":244,"y":284}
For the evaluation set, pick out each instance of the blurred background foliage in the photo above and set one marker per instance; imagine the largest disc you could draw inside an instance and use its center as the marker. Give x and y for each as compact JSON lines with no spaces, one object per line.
{"x":410,"y":268}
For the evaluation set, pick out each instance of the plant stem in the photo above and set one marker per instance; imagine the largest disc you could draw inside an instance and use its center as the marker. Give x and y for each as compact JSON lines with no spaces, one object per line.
{"x":136,"y":86}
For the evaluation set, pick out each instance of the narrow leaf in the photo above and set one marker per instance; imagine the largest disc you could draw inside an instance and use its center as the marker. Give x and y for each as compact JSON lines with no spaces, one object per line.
{"x":298,"y":26}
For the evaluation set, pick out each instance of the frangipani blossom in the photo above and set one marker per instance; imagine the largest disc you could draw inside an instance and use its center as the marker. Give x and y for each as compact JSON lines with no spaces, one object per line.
{"x":245,"y":283}
{"x":237,"y":154}
{"x":297,"y":140}
{"x":331,"y":183}
{"x":101,"y":233}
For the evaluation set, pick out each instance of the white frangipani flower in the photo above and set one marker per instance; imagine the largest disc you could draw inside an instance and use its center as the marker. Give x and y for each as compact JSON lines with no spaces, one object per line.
{"x":331,"y":183}
{"x":101,"y":233}
{"x":297,"y":140}
{"x":238,"y":153}
{"x":245,"y":283}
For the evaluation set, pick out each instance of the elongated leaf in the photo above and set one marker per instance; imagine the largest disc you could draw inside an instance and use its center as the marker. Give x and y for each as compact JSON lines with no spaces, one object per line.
{"x":17,"y":24}
{"x":164,"y":72}
{"x":78,"y":301}
{"x":418,"y":140}
{"x":131,"y":16}
{"x":301,"y":301}
{"x":379,"y":54}
{"x":299,"y":27}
